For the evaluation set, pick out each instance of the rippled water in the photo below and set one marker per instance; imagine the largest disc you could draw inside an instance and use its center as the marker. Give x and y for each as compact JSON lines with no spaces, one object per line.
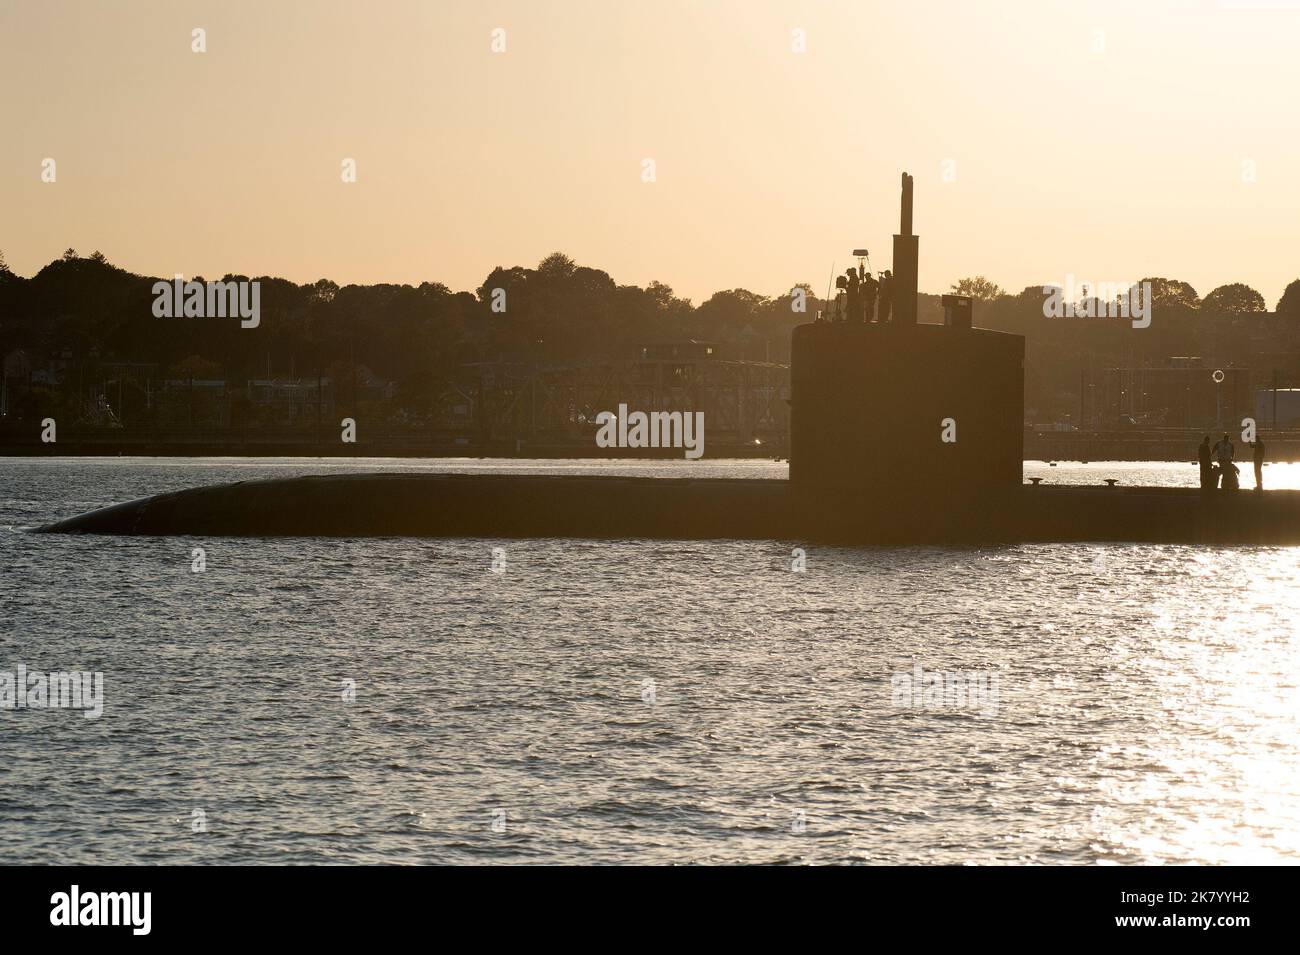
{"x":635,"y":701}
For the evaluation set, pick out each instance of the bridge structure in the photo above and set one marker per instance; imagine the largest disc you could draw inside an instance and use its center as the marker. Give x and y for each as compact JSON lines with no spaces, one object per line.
{"x":744,"y":402}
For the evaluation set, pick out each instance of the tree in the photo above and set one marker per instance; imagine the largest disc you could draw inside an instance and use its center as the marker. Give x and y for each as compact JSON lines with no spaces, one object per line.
{"x":978,"y":288}
{"x":1234,"y":299}
{"x":511,"y":280}
{"x":4,"y":266}
{"x":69,"y":254}
{"x":556,"y":265}
{"x":1167,"y":292}
{"x":661,"y":294}
{"x":323,"y":290}
{"x":1289,"y":303}
{"x":733,"y":307}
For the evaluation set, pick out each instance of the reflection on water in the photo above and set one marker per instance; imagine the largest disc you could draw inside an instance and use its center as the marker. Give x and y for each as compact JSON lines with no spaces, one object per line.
{"x":636,"y":701}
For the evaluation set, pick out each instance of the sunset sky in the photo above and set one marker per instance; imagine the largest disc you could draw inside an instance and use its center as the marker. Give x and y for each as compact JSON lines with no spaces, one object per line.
{"x":1109,"y":142}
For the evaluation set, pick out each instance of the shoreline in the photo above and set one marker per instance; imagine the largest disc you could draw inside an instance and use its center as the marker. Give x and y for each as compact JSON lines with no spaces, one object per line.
{"x":1072,"y":447}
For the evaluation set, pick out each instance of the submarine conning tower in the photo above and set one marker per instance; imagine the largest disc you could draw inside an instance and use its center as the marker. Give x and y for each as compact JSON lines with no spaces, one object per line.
{"x":898,"y":419}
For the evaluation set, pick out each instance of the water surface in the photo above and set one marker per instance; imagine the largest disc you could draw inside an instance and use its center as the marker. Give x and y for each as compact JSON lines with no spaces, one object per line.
{"x":637,"y":701}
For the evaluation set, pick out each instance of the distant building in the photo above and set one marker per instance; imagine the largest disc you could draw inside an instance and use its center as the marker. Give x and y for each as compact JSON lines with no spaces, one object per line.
{"x":298,"y":392}
{"x":32,"y":370}
{"x":1182,"y":392}
{"x":1274,"y":342}
{"x":1278,"y":408}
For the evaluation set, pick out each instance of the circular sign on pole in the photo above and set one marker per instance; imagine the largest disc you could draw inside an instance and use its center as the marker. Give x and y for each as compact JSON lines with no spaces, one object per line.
{"x":1217,"y":376}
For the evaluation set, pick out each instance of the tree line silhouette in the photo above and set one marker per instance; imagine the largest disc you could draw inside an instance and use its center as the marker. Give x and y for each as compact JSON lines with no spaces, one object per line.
{"x":86,"y":311}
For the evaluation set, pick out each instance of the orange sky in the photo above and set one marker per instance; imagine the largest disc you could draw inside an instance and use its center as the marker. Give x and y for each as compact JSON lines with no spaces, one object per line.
{"x":770,"y":164}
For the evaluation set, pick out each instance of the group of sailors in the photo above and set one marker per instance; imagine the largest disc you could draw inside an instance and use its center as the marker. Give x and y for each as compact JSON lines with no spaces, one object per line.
{"x":862,"y":293}
{"x":1218,"y":470}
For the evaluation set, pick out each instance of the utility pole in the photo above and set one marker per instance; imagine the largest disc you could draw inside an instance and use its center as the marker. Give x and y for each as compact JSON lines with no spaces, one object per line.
{"x":1275,"y":398}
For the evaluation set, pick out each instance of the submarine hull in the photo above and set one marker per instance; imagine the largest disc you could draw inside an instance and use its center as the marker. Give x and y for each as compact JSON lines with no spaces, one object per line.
{"x":454,"y":505}
{"x":512,"y":506}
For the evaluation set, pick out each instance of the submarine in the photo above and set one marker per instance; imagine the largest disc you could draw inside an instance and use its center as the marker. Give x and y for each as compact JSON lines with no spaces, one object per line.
{"x":947,"y":400}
